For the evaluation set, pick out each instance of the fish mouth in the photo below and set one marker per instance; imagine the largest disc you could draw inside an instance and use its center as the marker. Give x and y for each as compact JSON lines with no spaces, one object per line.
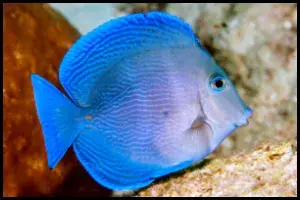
{"x":244,"y":119}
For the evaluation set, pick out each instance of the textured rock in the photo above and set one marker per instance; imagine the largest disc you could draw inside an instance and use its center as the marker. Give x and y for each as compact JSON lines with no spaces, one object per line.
{"x":35,"y":40}
{"x":270,"y":170}
{"x":127,"y":8}
{"x":256,"y":45}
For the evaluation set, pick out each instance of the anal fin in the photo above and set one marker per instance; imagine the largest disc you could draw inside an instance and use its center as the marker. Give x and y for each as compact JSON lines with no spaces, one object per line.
{"x":107,"y":166}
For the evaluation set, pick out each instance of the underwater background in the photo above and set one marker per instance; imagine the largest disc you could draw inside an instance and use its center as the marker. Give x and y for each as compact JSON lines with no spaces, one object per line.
{"x":256,"y":44}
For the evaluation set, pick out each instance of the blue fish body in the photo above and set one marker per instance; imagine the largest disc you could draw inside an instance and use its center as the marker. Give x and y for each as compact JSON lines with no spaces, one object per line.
{"x":146,"y":100}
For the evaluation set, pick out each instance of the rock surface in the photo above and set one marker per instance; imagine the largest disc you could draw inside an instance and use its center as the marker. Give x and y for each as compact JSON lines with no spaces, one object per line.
{"x":35,"y":40}
{"x":270,"y":170}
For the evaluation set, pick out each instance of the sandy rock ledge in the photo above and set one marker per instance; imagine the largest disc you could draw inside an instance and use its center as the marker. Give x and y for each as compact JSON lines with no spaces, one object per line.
{"x":270,"y":170}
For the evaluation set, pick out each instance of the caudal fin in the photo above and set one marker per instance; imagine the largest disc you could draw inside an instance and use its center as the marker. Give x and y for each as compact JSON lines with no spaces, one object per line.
{"x":57,"y":115}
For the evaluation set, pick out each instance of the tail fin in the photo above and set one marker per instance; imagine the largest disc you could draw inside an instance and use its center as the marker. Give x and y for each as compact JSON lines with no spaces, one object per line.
{"x":57,"y":115}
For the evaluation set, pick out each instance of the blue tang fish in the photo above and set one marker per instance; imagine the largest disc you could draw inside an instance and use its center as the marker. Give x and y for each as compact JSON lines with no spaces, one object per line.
{"x":145,"y":99}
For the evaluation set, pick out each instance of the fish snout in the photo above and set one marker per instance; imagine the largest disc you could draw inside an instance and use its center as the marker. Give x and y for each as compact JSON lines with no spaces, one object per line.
{"x":246,"y":115}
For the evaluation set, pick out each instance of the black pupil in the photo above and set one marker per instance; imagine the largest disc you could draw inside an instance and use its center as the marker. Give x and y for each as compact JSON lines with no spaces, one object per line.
{"x":219,"y":83}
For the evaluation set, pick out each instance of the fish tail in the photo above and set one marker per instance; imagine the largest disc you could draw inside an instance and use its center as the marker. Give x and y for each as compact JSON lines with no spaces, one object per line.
{"x":57,"y":115}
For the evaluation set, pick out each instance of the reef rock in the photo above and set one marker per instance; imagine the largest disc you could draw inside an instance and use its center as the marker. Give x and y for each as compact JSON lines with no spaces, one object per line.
{"x":35,"y":40}
{"x":270,"y":170}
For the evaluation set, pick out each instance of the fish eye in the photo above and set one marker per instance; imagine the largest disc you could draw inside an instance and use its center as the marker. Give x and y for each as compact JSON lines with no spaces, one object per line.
{"x":217,"y":83}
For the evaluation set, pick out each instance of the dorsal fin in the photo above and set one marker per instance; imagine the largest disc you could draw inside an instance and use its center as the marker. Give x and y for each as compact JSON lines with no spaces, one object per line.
{"x":98,"y":51}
